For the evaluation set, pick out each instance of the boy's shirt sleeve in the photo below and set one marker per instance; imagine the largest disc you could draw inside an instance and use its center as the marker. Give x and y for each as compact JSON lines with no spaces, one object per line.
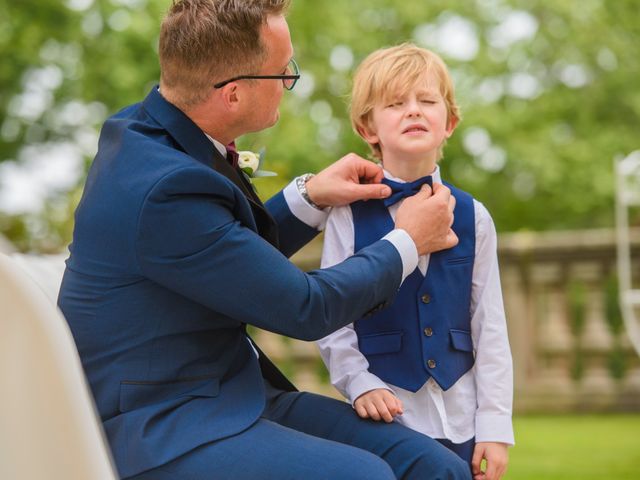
{"x":493,"y":365}
{"x":347,"y":367}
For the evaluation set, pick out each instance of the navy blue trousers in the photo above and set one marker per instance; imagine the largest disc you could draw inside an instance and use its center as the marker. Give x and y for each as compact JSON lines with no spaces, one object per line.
{"x":463,"y":450}
{"x":307,"y":436}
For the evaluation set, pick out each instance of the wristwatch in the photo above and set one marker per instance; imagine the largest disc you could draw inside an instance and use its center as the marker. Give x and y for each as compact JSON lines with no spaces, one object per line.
{"x":301,"y":183}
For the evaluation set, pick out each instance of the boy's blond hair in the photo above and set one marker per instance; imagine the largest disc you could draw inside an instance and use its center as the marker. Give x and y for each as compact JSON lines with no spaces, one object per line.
{"x":393,"y":71}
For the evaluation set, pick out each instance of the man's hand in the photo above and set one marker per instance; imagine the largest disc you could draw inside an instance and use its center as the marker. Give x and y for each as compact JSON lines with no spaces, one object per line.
{"x":378,"y":404}
{"x":349,"y":179}
{"x":497,"y":457}
{"x":427,"y":218}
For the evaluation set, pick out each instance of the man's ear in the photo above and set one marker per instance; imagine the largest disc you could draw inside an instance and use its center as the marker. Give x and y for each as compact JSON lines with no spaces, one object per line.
{"x":230,"y":95}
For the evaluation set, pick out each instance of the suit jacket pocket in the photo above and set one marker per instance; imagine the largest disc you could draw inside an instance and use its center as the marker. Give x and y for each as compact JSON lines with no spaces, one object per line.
{"x":377,"y":343}
{"x":461,"y":340}
{"x":136,"y":394}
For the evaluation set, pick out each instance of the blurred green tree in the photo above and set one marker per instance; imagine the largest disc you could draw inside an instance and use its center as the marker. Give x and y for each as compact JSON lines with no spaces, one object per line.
{"x":548,"y":92}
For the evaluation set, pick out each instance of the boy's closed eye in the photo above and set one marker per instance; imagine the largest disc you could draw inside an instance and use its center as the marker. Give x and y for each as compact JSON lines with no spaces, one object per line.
{"x":395,"y":103}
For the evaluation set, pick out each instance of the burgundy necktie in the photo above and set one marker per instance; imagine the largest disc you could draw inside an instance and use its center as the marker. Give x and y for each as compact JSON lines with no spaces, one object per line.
{"x":232,"y":154}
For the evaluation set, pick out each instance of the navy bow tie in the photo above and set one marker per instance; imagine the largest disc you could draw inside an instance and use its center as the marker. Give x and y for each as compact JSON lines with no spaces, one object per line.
{"x":404,"y":190}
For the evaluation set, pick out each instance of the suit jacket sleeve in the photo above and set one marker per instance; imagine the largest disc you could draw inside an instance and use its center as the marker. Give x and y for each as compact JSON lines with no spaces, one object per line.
{"x":294,"y":233}
{"x":192,"y":240}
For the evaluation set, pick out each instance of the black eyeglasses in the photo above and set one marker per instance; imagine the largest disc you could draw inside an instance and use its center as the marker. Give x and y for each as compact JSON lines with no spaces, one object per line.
{"x":289,"y":78}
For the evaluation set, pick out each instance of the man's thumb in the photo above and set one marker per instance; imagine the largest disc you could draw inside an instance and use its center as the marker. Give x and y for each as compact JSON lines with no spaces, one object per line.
{"x":373,"y":191}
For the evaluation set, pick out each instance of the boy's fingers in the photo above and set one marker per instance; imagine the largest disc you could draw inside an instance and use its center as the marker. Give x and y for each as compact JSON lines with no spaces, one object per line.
{"x":490,"y":473}
{"x":476,"y":460}
{"x":390,"y":403}
{"x":360,"y":410}
{"x":373,"y":412}
{"x":382,"y":410}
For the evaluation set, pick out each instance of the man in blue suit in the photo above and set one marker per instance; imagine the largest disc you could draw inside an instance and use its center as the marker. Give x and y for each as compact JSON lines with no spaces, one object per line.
{"x":173,"y":254}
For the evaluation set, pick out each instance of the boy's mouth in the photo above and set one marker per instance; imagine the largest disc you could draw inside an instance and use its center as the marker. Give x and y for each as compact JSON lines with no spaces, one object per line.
{"x":415,"y":128}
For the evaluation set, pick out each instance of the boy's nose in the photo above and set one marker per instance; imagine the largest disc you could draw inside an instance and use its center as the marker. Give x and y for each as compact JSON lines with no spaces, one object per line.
{"x":413,"y":109}
{"x":414,"y":112}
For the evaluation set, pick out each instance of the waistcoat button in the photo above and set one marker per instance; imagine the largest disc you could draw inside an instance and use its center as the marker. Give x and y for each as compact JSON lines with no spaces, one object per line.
{"x":426,"y":298}
{"x":428,"y":331}
{"x":431,"y":363}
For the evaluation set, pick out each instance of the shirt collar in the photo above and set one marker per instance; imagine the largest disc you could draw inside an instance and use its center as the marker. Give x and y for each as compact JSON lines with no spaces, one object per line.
{"x":435,"y":176}
{"x":219,"y":146}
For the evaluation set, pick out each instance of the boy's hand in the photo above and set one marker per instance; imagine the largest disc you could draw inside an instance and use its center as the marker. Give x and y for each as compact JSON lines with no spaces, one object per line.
{"x":378,"y":404}
{"x":496,"y":456}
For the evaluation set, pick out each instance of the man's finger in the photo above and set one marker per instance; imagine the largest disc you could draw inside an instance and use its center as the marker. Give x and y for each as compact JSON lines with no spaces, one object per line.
{"x":371,"y":191}
{"x":441,"y":190}
{"x":426,"y":189}
{"x":452,"y":203}
{"x":451,"y":240}
{"x":368,"y":170}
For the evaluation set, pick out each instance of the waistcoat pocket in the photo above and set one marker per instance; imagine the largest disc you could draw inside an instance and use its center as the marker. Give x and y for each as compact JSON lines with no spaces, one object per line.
{"x":378,"y":343}
{"x":461,"y":340}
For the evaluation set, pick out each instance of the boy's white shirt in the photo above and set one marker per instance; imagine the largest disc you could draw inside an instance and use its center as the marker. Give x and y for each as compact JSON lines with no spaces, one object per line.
{"x":480,"y":402}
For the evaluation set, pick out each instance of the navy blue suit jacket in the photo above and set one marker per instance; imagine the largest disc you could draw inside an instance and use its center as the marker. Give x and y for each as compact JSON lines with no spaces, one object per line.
{"x":171,"y":257}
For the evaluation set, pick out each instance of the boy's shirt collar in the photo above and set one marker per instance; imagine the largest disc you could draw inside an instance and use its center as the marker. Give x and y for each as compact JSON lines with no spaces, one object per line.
{"x":435,"y":175}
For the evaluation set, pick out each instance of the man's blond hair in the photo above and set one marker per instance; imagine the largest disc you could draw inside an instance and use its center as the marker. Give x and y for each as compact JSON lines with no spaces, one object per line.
{"x":393,"y":71}
{"x":203,"y":42}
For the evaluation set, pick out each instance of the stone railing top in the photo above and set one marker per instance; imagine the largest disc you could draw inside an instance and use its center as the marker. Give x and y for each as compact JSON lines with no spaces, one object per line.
{"x":561,"y":243}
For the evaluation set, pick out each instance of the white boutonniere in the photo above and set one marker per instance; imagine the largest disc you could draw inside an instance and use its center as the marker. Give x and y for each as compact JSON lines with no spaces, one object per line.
{"x":250,"y":162}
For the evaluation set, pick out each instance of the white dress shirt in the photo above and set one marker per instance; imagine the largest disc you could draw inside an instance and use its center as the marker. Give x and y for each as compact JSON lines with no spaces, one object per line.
{"x":479,"y":404}
{"x":317,"y":219}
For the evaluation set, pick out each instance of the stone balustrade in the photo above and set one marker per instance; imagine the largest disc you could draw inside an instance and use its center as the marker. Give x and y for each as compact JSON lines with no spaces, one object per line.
{"x":570,"y":348}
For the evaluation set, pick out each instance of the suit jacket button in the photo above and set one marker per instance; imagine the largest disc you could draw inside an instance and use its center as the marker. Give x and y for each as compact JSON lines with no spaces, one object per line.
{"x":426,"y":298}
{"x":431,"y":363}
{"x":428,"y":331}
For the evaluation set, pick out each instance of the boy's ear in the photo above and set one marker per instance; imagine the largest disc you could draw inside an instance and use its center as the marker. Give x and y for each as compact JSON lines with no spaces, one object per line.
{"x":453,"y":123}
{"x":368,"y":134}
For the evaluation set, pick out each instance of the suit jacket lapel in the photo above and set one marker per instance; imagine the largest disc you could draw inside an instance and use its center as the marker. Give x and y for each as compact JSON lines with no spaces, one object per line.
{"x":265,"y":223}
{"x":194,"y":142}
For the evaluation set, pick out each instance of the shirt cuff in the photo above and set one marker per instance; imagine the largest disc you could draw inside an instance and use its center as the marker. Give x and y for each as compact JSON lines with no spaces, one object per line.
{"x":407,"y":249}
{"x":494,"y":428}
{"x":364,"y":382}
{"x":304,"y":212}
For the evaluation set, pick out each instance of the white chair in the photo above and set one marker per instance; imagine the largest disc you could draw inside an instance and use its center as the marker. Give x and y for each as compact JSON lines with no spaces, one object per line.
{"x":49,"y":428}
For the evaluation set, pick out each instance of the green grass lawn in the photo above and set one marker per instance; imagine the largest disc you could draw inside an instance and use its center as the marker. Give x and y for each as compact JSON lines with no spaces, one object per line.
{"x":576,"y":447}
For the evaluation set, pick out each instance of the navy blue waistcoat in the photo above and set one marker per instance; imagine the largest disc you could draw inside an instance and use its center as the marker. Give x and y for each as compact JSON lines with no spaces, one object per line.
{"x":426,"y":331}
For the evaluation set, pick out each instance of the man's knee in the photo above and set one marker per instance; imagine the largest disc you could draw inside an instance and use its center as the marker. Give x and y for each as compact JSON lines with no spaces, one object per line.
{"x":447,"y":466}
{"x":420,"y":457}
{"x":362,"y":466}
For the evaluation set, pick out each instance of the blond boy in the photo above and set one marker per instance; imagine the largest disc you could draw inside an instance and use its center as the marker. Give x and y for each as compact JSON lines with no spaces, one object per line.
{"x":437,"y":359}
